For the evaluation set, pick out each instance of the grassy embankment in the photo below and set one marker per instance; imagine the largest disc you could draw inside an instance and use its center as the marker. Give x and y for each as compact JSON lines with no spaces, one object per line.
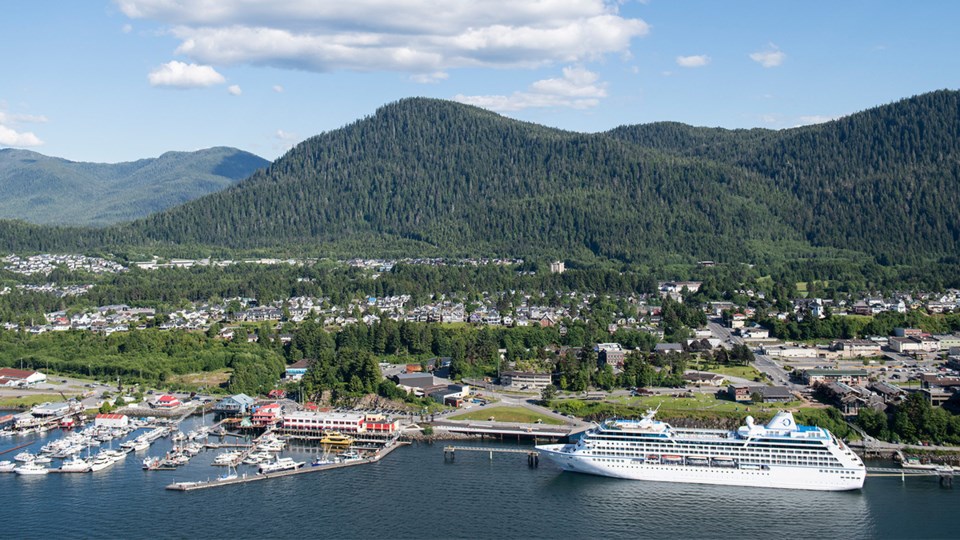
{"x":508,"y":414}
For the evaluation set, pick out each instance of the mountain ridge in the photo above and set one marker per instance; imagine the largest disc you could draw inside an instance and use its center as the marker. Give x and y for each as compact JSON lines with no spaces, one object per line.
{"x":52,"y":190}
{"x":436,"y":177}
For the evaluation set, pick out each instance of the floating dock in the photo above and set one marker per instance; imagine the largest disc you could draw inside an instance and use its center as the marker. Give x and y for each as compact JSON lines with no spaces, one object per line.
{"x":246,"y":478}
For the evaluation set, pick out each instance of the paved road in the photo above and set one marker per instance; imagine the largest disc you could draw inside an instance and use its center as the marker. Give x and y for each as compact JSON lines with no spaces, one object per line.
{"x":762,"y":362}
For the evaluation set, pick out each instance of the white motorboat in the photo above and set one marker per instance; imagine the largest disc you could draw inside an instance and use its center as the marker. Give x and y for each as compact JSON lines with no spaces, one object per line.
{"x":7,"y":466}
{"x":226,"y":458}
{"x":24,"y":457}
{"x":75,"y":465}
{"x":280,"y":464}
{"x":31,"y":468}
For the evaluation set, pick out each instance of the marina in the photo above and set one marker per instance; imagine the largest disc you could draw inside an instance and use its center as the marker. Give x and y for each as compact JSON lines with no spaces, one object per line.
{"x":591,"y":506}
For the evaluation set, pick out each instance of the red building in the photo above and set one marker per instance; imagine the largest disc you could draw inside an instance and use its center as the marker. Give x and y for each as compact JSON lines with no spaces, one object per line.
{"x":167,"y":401}
{"x":379,"y":424}
{"x":267,"y":415}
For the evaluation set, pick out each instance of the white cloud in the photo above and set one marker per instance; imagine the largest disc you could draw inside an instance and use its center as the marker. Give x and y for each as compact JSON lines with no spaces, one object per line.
{"x":578,"y":89}
{"x":127,"y":28}
{"x":815,"y":119}
{"x":772,"y":56}
{"x":181,"y":75}
{"x":429,"y":78}
{"x":234,"y":90}
{"x":10,"y":137}
{"x":278,"y":89}
{"x":770,"y":118}
{"x":695,"y":61}
{"x":415,"y":36}
{"x":10,"y":132}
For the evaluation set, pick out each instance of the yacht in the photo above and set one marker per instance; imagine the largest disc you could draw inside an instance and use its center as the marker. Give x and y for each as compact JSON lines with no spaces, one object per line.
{"x":75,"y":465}
{"x":31,"y":468}
{"x":280,"y":464}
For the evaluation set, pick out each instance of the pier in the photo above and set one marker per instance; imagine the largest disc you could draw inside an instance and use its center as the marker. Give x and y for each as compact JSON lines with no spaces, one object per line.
{"x":533,"y":457}
{"x":946,"y":474}
{"x":244,"y":479}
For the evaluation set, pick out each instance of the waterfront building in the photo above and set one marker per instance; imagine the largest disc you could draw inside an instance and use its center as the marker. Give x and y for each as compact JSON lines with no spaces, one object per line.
{"x":267,"y":415}
{"x":321,"y":421}
{"x":167,"y":401}
{"x":235,"y":405}
{"x":112,"y":420}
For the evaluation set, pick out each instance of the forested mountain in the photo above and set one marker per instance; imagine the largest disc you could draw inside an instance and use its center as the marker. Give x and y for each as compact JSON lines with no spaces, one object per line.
{"x":424,"y":176}
{"x":885,"y":181}
{"x":49,"y":190}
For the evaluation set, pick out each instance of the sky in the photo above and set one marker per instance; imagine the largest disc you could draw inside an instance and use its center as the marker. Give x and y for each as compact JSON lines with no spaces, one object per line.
{"x":120,"y":80}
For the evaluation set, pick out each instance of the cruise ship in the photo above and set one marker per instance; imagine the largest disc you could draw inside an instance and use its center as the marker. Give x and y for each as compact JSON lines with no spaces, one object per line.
{"x":780,"y":454}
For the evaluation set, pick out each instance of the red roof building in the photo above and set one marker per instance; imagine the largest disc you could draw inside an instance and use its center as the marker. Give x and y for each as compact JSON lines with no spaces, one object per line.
{"x":267,"y":415}
{"x":167,"y":401}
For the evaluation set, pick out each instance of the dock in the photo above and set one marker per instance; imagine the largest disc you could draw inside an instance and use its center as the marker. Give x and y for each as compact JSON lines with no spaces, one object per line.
{"x":533,"y":457}
{"x":244,"y":479}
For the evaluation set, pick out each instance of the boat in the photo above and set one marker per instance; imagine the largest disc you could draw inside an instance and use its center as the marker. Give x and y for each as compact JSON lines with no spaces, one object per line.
{"x":105,"y":459}
{"x":280,"y":464}
{"x":255,"y":458}
{"x":274,"y":445}
{"x":227,"y":459}
{"x":75,"y":465}
{"x":43,"y":459}
{"x":780,"y":454}
{"x":231,"y":474}
{"x":31,"y":468}
{"x":913,"y":462}
{"x":24,"y":457}
{"x":349,"y":455}
{"x":335,"y":438}
{"x":7,"y":466}
{"x":152,"y":463}
{"x":178,"y":436}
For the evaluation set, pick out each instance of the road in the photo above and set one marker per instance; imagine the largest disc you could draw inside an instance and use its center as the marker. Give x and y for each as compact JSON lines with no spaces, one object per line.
{"x":762,"y":362}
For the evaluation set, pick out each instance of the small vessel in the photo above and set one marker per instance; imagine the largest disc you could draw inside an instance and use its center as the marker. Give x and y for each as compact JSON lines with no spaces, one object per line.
{"x":281,"y":464}
{"x":105,"y":459}
{"x":226,"y":459}
{"x":7,"y":466}
{"x":274,"y":445}
{"x":257,"y":457}
{"x":152,"y":463}
{"x":24,"y":457}
{"x":75,"y":465}
{"x":231,"y":474}
{"x":178,"y":436}
{"x":349,"y":455}
{"x":31,"y":468}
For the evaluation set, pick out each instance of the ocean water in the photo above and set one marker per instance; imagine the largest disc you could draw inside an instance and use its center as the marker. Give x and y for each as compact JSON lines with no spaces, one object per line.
{"x":414,"y":493}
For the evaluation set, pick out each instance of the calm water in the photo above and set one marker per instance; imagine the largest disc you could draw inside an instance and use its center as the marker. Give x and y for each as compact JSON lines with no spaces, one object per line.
{"x":412,"y":493}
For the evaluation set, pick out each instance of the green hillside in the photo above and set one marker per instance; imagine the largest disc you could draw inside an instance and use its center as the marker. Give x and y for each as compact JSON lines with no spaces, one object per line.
{"x":47,"y":190}
{"x":432,"y":177}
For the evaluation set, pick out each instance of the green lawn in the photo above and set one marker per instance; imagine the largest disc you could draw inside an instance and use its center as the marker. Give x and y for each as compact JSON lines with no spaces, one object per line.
{"x":27,"y":400}
{"x":700,"y":402}
{"x":507,"y":414}
{"x":744,"y":372}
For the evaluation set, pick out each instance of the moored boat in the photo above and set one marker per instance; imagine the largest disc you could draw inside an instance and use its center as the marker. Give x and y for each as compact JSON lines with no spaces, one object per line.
{"x":31,"y":468}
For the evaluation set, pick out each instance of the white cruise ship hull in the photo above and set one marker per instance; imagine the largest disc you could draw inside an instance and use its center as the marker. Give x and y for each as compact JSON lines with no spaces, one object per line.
{"x":808,"y":478}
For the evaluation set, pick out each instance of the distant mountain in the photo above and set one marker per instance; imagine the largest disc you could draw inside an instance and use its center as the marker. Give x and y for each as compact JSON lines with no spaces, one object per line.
{"x":49,"y":190}
{"x":424,"y":176}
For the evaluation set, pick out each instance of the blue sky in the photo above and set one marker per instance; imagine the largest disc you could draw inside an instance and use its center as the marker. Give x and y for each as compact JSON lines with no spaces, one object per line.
{"x":109,"y":81}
